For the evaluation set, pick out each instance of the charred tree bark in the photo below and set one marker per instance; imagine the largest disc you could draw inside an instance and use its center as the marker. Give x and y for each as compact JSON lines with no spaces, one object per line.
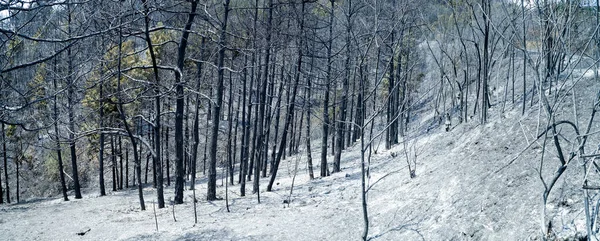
{"x":71,"y":112}
{"x":246,"y":115}
{"x":5,"y":157}
{"x":58,"y":151}
{"x":260,"y":145}
{"x":486,"y":60}
{"x":277,"y":116}
{"x":307,"y":106}
{"x":523,"y":104}
{"x":154,"y":162}
{"x":230,"y":128}
{"x":334,"y":111}
{"x":132,"y":139}
{"x":235,"y":134}
{"x":269,"y":116}
{"x":101,"y":142}
{"x":212,"y":170}
{"x":341,"y":123}
{"x":196,"y":131}
{"x":186,"y":140}
{"x":167,"y":156}
{"x":16,"y":160}
{"x":120,"y":164}
{"x":1,"y":191}
{"x":205,"y":153}
{"x":326,"y":124}
{"x":158,"y":173}
{"x":179,"y":158}
{"x":358,"y":117}
{"x":126,"y":167}
{"x":147,"y":167}
{"x":299,"y":132}
{"x":290,"y":110}
{"x":391,"y":137}
{"x":113,"y":163}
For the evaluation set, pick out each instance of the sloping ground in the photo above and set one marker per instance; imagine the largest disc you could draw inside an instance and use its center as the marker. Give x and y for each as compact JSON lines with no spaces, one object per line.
{"x":457,"y":193}
{"x":466,"y":188}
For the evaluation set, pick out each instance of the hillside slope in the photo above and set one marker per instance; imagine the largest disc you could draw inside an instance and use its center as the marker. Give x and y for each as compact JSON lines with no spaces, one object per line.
{"x":475,"y":182}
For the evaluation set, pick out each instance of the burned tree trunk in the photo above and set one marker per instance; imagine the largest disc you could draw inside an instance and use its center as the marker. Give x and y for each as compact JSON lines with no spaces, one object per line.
{"x":212,"y":170}
{"x":179,"y":158}
{"x":290,"y":111}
